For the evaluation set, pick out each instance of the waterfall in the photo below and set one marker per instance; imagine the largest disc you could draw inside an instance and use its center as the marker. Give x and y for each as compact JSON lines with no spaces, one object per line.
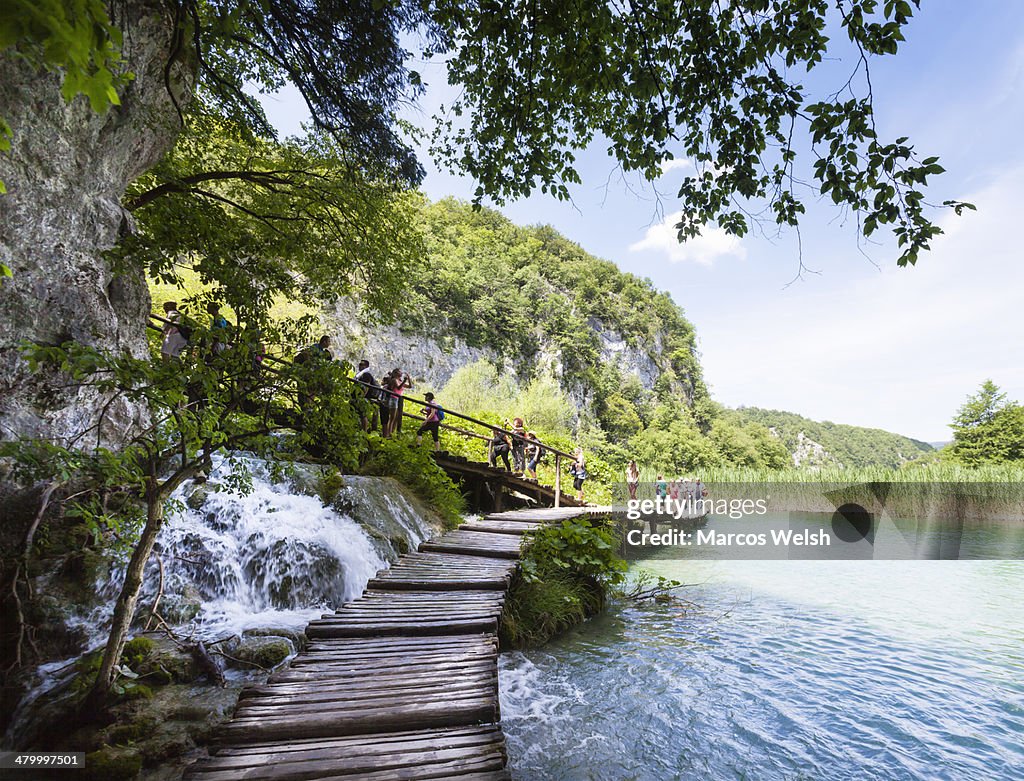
{"x":254,"y":546}
{"x":272,"y":556}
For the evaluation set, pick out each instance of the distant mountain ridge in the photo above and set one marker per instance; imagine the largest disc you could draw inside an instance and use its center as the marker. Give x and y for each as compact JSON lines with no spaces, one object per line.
{"x":815,"y":444}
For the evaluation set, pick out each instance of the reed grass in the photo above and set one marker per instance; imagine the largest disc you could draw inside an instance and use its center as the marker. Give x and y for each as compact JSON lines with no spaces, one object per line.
{"x":931,"y":490}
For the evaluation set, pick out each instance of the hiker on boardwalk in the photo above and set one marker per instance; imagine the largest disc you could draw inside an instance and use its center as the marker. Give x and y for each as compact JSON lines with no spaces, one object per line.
{"x":314,"y":354}
{"x":518,"y":445}
{"x":403,"y":382}
{"x":175,"y":334}
{"x":220,"y":335}
{"x":321,"y":351}
{"x":578,"y":470}
{"x":632,"y":479}
{"x":434,"y":415}
{"x":533,"y":452}
{"x":498,"y":447}
{"x":371,"y":393}
{"x":251,"y":347}
{"x":392,"y":400}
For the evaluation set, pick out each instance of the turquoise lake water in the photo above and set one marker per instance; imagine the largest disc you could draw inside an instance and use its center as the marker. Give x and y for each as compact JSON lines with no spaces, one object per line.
{"x":783,"y":670}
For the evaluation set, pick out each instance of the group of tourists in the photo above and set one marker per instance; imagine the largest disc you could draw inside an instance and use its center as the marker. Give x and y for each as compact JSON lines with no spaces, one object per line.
{"x":385,"y":399}
{"x":527,"y":453}
{"x":176,"y":334}
{"x":681,"y":489}
{"x":386,"y":403}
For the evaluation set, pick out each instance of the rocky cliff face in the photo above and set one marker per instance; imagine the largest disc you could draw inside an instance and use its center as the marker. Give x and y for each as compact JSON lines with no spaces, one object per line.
{"x":811,"y":455}
{"x":65,"y":175}
{"x":433,"y":358}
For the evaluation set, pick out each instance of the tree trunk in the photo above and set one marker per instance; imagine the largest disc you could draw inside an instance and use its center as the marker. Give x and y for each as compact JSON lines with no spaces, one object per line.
{"x":124,"y":610}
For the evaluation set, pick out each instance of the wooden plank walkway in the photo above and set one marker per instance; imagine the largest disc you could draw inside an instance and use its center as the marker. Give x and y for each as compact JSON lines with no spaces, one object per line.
{"x":460,"y":467}
{"x":401,"y":683}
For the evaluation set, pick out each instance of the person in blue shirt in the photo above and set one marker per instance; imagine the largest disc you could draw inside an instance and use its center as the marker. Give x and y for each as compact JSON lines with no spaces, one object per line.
{"x":219,"y":329}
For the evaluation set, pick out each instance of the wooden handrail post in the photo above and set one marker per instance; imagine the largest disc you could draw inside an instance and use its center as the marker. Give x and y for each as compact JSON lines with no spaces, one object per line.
{"x":558,"y":479}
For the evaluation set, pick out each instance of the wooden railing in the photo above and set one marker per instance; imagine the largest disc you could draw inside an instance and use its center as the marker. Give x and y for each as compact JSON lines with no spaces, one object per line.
{"x":424,"y":404}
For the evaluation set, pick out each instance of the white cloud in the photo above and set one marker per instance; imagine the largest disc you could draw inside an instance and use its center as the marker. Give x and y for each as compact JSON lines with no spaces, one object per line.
{"x":712,"y":244}
{"x":677,"y":164}
{"x":899,"y":349}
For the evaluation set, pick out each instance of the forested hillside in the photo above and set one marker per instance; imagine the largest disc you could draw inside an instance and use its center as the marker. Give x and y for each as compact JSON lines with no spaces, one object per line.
{"x":848,"y":446}
{"x":537,"y":299}
{"x":507,"y":320}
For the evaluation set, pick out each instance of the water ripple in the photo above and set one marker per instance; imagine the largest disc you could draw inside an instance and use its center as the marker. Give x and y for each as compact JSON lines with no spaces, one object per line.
{"x":760,"y":684}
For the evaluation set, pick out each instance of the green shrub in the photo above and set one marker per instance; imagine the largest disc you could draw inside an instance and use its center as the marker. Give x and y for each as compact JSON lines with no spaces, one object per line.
{"x":565,"y":575}
{"x":578,"y":549}
{"x":537,"y":610}
{"x":398,"y":457}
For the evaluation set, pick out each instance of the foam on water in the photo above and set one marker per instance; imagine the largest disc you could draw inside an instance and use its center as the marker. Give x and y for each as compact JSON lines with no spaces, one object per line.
{"x":269,"y":557}
{"x":895,"y":670}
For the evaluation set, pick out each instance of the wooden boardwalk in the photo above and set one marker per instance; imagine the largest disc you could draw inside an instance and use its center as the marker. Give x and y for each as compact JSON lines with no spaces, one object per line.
{"x":401,"y":683}
{"x":473,"y":472}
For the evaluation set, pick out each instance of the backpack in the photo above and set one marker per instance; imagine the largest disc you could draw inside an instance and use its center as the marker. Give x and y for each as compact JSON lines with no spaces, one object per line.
{"x":440,"y":413}
{"x":371,"y":390}
{"x":184,"y":330}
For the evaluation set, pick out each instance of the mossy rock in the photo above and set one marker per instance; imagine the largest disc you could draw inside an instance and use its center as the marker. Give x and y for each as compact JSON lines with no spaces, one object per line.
{"x":400,"y":544}
{"x":164,"y":748}
{"x":137,"y":691}
{"x":329,"y":484}
{"x":132,"y":731}
{"x":179,"y":667}
{"x":261,"y":652}
{"x":137,"y":651}
{"x":110,"y":764}
{"x":297,"y":638}
{"x":198,"y":497}
{"x":189,"y":713}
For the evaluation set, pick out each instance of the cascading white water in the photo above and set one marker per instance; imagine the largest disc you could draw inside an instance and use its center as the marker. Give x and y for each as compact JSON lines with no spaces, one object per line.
{"x":269,"y":557}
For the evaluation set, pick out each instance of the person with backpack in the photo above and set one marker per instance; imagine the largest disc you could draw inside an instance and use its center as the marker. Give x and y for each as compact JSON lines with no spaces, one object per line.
{"x":175,"y":333}
{"x":518,"y":446}
{"x":219,"y":329}
{"x":371,"y":394}
{"x":434,"y":415}
{"x":578,"y":470}
{"x":498,"y":447}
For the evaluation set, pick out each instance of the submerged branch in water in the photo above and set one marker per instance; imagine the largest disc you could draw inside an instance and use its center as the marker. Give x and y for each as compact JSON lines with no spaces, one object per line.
{"x":647,"y":585}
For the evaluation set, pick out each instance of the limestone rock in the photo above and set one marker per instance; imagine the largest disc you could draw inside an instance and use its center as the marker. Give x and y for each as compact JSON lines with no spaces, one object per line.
{"x":265,"y":652}
{"x":65,"y":174}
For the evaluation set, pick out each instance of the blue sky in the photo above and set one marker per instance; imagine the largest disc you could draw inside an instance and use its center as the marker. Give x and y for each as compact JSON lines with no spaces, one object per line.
{"x":860,"y":341}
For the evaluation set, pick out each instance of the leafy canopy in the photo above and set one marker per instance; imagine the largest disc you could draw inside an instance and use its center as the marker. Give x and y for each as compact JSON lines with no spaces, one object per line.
{"x":345,"y":57}
{"x":260,"y":219}
{"x":717,"y":83}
